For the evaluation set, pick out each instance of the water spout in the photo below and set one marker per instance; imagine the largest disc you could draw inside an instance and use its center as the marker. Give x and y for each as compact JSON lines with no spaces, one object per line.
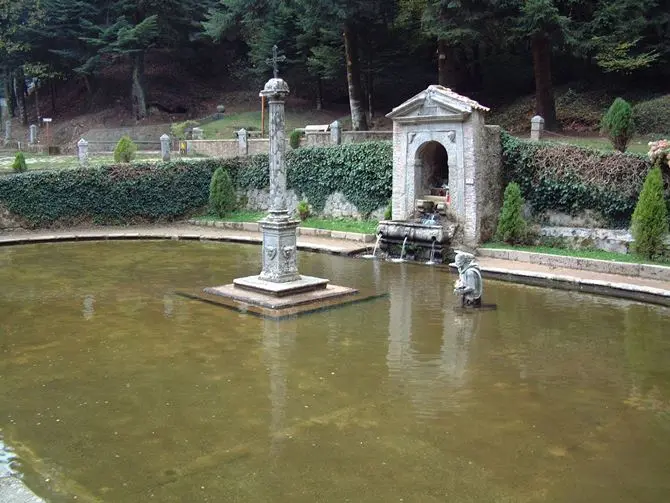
{"x":402,"y":251}
{"x":376,"y":247}
{"x":431,"y":261}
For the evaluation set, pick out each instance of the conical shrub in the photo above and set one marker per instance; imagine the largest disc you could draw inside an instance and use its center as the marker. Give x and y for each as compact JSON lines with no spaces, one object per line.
{"x":19,"y":164}
{"x":222,"y":199}
{"x":125,"y":150}
{"x":511,"y":224}
{"x":618,"y":124}
{"x":649,"y":225}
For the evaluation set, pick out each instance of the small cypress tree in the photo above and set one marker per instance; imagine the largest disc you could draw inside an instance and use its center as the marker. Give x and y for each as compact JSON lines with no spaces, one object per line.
{"x":618,"y":124}
{"x":19,"y":164}
{"x":125,"y":150}
{"x":221,"y":193}
{"x":511,"y":224}
{"x":650,"y":219}
{"x":295,"y":138}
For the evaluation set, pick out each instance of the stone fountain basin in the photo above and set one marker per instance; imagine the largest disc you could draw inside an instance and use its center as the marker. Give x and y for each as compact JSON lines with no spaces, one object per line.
{"x":416,"y":232}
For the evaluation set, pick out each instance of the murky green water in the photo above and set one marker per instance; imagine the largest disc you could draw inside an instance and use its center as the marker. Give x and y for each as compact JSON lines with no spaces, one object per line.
{"x":114,"y":389}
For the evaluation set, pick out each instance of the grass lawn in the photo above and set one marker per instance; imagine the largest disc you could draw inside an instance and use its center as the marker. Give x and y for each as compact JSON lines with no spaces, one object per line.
{"x":251,"y":121}
{"x":594,"y":254}
{"x":332,"y":224}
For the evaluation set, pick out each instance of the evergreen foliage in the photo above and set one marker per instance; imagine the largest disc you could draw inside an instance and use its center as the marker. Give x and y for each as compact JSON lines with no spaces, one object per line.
{"x":618,"y":124}
{"x":222,"y":199}
{"x":303,"y":209}
{"x":653,"y":116}
{"x":511,"y":224}
{"x":295,"y":138}
{"x":649,"y":224}
{"x":125,"y":150}
{"x":19,"y":164}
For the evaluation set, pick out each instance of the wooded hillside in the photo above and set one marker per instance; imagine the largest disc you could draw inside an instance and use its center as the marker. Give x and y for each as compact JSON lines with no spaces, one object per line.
{"x":371,"y":53}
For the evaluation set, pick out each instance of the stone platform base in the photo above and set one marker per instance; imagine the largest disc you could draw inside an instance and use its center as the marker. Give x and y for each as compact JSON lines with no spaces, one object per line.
{"x":277,"y":300}
{"x":255,"y":284}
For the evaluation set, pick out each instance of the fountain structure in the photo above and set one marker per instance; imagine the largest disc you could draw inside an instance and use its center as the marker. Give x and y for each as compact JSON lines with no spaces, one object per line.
{"x":447,"y":187}
{"x":279,"y":289}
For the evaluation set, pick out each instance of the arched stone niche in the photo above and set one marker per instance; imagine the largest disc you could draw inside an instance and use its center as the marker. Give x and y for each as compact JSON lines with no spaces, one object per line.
{"x":439,"y":123}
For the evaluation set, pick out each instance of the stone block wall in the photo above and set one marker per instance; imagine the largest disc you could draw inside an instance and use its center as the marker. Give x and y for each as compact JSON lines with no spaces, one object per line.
{"x":321,"y":139}
{"x":214,"y":148}
{"x":489,"y":201}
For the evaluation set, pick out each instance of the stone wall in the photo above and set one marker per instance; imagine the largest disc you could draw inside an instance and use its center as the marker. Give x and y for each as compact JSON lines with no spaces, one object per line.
{"x":324,"y":139}
{"x":489,"y":183}
{"x":336,"y":206}
{"x":215,"y":148}
{"x":614,"y":240}
{"x":7,"y":220}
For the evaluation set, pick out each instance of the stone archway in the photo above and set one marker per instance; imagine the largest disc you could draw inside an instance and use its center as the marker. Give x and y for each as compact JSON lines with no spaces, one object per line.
{"x":432,"y":169}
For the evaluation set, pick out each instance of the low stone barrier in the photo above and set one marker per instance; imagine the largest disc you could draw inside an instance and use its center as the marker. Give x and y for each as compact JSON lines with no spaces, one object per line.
{"x":647,"y":271}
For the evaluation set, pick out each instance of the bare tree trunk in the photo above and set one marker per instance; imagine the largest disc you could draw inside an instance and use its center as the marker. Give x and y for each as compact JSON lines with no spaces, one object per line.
{"x":319,"y":93}
{"x":446,"y":65}
{"x":9,"y":93}
{"x":20,"y":94}
{"x":358,"y":120}
{"x":138,"y":95}
{"x":52,"y":86}
{"x":544,"y":91}
{"x":37,"y":102}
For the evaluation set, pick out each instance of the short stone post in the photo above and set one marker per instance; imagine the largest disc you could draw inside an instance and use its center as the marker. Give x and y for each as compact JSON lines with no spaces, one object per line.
{"x":32,"y":134}
{"x":335,"y":133}
{"x":243,"y":142}
{"x":8,"y":130}
{"x":82,"y":152}
{"x":536,"y":128}
{"x":198,"y":133}
{"x":165,"y":147}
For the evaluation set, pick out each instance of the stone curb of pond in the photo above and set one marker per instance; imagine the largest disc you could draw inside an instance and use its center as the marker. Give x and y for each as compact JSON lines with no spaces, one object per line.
{"x":251,"y":238}
{"x":647,"y":271}
{"x":13,"y":490}
{"x":629,"y":291}
{"x":302,"y":231}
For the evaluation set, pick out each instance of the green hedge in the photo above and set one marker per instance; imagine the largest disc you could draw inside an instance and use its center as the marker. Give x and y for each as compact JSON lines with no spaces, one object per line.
{"x":570,"y":179}
{"x":653,"y":116}
{"x":108,"y":194}
{"x":165,"y":191}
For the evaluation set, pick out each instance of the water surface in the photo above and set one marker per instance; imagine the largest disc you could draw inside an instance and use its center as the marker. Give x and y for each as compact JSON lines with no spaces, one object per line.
{"x":115,"y":389}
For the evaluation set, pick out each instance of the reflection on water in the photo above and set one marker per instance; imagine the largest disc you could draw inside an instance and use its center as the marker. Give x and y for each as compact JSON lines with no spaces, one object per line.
{"x":7,"y":460}
{"x":113,"y":389}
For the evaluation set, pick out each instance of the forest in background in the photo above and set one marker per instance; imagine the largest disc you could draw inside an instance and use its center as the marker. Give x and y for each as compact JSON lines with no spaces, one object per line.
{"x":367,"y":54}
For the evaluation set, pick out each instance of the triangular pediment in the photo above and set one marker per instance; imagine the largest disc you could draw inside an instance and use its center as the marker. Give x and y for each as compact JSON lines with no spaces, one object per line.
{"x":434,"y":104}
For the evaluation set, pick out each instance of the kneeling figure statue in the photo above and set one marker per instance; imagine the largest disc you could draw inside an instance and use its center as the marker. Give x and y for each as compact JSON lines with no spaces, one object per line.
{"x":469,"y":284}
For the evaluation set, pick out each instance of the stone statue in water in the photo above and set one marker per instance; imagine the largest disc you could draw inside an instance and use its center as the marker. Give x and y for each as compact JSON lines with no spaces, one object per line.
{"x":469,"y":284}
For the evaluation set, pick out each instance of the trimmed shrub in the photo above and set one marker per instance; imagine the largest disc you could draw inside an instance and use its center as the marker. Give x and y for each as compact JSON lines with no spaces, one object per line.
{"x":649,"y":225}
{"x":178,"y":129}
{"x":388,"y":212}
{"x":618,"y":124}
{"x":653,"y":116}
{"x":19,"y":164}
{"x":222,"y":199}
{"x":303,"y":210}
{"x":511,"y":224}
{"x":295,"y":138}
{"x":125,"y":150}
{"x":571,"y":179}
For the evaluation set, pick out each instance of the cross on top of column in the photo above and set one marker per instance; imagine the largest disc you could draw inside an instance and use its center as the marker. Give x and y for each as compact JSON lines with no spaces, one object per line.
{"x":274,"y":60}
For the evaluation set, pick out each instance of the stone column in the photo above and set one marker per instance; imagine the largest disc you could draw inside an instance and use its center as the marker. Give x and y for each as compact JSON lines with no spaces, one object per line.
{"x":243,"y":142}
{"x":32,"y":138}
{"x":335,"y":133}
{"x":279,"y":255}
{"x":536,"y":128}
{"x":82,"y":152}
{"x":165,"y":147}
{"x":8,"y":130}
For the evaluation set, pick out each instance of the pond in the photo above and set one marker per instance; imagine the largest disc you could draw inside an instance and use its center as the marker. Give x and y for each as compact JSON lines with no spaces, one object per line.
{"x":113,"y":388}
